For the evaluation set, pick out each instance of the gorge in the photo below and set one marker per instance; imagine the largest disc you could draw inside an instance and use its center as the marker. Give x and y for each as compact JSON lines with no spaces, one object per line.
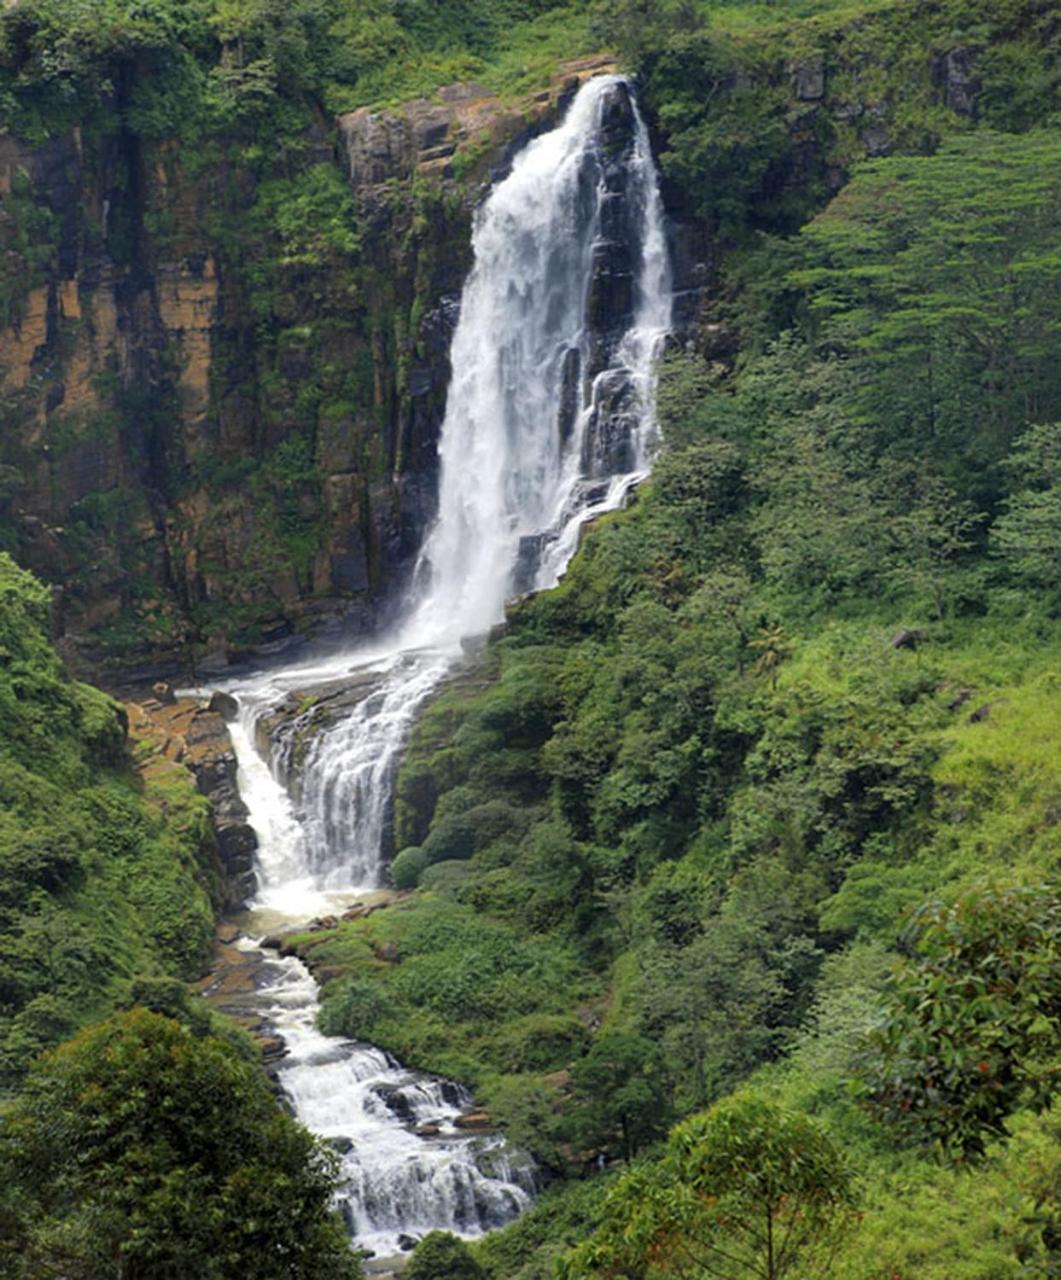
{"x":549,"y":421}
{"x":519,"y":778}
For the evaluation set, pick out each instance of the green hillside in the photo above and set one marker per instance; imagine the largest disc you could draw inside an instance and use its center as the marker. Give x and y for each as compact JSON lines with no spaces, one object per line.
{"x":734,"y":858}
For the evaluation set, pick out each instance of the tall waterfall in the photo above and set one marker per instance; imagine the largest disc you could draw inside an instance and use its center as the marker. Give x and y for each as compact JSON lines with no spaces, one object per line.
{"x":549,"y":404}
{"x":548,"y":422}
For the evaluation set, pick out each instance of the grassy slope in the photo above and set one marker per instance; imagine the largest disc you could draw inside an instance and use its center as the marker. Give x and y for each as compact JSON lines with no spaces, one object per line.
{"x":105,"y":879}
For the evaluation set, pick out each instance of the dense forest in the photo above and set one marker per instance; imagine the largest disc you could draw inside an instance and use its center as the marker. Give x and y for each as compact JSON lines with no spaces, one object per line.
{"x":730,"y":864}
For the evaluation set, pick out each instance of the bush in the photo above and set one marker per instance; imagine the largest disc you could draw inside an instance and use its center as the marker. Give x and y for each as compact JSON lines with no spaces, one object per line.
{"x":407,"y":867}
{"x":971,"y":1018}
{"x":446,"y":877}
{"x":441,"y":1256}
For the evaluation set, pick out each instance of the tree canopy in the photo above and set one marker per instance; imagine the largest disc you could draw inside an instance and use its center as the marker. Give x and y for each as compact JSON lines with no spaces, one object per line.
{"x":142,"y":1150}
{"x":746,"y":1189}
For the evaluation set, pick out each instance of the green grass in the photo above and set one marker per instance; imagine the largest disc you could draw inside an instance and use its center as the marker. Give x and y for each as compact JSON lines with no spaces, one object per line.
{"x":527,"y":56}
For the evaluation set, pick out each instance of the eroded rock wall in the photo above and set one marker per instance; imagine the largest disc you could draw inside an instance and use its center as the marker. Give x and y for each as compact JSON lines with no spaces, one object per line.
{"x":212,"y":438}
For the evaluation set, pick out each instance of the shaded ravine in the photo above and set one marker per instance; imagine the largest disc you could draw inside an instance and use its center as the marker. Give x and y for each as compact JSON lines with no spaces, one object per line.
{"x":548,"y":423}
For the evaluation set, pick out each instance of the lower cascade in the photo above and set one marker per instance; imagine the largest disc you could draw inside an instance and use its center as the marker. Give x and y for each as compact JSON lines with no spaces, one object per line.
{"x":548,"y":423}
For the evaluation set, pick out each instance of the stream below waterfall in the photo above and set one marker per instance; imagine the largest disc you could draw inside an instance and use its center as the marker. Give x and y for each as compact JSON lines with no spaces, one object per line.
{"x":548,"y":423}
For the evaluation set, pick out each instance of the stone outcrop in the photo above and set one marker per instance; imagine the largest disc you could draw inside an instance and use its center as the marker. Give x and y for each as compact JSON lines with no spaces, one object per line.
{"x":464,"y":130}
{"x":184,"y":732}
{"x":159,"y":464}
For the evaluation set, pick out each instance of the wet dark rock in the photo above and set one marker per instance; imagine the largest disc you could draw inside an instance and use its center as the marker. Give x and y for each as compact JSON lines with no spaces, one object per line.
{"x":959,"y":699}
{"x":961,"y":84}
{"x":570,"y":376}
{"x":476,"y":1121}
{"x":607,"y":447}
{"x":408,"y":1243}
{"x":223,"y":704}
{"x":396,"y":1101}
{"x":164,"y":693}
{"x":808,"y":81}
{"x":272,"y":1048}
{"x":528,"y":560}
{"x":876,"y":139}
{"x":612,"y":294}
{"x":472,"y":646}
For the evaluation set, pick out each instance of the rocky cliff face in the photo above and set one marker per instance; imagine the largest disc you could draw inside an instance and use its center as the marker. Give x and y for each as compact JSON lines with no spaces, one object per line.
{"x":220,"y":394}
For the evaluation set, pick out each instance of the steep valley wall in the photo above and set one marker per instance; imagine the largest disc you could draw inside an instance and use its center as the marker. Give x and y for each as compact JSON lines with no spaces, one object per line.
{"x":224,"y":361}
{"x":219,"y":429}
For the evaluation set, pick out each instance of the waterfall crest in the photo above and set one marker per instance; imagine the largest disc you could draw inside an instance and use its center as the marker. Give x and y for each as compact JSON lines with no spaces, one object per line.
{"x":549,"y":421}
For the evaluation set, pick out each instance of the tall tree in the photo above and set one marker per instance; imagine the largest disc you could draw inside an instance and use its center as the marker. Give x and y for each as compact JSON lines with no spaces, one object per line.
{"x":139,"y":1151}
{"x":745,"y":1190}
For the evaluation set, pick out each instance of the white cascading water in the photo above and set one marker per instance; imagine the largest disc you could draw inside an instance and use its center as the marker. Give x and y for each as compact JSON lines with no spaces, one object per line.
{"x":548,"y":423}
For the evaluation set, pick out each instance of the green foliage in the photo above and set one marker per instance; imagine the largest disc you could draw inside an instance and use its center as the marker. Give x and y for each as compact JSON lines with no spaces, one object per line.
{"x":995,"y":1221}
{"x":196,"y":68}
{"x":441,"y":1256}
{"x":142,"y":1146}
{"x":973,"y":1016}
{"x":745,"y":1189}
{"x":98,"y":882}
{"x":450,"y":982}
{"x":941,"y":270}
{"x":619,"y":1093}
{"x":1028,"y":532}
{"x":408,"y":866}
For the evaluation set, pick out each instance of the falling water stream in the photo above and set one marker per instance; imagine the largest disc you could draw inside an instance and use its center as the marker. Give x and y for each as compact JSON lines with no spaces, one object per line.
{"x":548,"y":423}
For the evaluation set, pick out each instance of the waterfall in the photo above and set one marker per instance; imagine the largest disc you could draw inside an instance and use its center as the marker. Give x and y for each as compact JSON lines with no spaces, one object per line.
{"x":548,"y":422}
{"x":549,"y":404}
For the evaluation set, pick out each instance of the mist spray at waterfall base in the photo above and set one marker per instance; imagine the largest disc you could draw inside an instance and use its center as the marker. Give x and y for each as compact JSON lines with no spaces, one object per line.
{"x":548,"y":423}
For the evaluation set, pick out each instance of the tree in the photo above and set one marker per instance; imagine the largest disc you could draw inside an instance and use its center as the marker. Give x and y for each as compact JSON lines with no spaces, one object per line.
{"x":1028,"y":534}
{"x":619,"y":1093}
{"x":141,"y":1152}
{"x":972,"y":1015}
{"x":746,"y":1189}
{"x":441,"y":1256}
{"x":773,"y":646}
{"x":938,"y":275}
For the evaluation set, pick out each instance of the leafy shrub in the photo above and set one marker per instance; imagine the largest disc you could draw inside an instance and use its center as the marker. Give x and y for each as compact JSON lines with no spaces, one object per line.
{"x":407,"y":867}
{"x":140,"y":1140}
{"x":446,"y":877}
{"x":972,"y":1018}
{"x":441,"y":1256}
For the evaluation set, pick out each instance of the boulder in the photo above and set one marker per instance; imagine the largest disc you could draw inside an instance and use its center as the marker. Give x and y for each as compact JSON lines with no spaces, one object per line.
{"x":959,"y":699}
{"x":223,"y":704}
{"x":164,"y":693}
{"x":477,"y":1120}
{"x":961,"y":84}
{"x":908,"y":638}
{"x":808,"y":81}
